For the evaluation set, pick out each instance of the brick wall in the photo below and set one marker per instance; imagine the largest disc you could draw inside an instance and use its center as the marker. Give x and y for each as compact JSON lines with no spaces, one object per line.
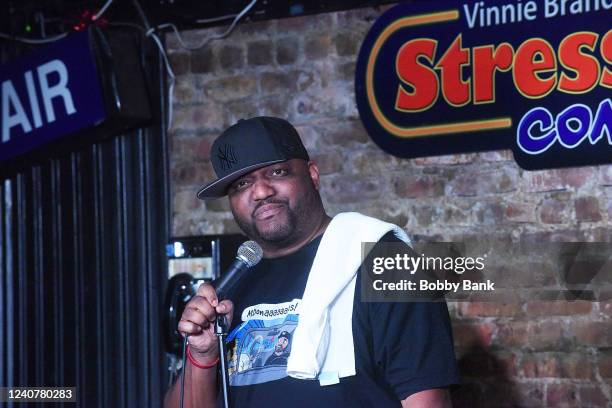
{"x":516,"y":354}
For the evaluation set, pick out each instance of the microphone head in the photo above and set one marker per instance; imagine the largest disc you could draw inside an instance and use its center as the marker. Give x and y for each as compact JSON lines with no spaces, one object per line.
{"x":250,"y":252}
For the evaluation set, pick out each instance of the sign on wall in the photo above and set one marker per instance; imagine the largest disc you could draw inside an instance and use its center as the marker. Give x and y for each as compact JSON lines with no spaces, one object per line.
{"x":49,"y":94}
{"x":453,"y":77}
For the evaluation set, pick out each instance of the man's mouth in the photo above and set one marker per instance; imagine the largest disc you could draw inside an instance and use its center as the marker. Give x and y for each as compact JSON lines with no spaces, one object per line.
{"x":268,"y":211}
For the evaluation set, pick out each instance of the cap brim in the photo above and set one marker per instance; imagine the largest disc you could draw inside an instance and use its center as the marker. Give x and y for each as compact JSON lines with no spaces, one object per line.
{"x":218,"y":188}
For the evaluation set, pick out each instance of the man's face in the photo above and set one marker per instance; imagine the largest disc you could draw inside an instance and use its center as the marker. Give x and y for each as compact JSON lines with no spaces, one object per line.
{"x":281,"y":345}
{"x":273,"y":204}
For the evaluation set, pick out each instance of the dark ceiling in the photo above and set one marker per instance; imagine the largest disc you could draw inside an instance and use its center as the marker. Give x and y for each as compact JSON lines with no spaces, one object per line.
{"x":36,"y":18}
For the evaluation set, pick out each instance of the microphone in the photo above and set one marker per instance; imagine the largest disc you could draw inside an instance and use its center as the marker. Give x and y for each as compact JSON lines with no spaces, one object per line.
{"x":249,"y":254}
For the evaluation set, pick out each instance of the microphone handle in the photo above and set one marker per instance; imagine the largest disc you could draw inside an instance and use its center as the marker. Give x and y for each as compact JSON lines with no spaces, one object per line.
{"x":228,"y":279}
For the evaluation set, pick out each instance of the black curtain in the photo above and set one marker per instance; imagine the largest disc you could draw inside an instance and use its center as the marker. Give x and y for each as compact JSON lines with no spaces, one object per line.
{"x":82,"y":266}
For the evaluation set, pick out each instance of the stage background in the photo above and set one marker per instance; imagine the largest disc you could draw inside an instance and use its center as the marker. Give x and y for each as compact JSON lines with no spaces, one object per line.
{"x":523,"y":353}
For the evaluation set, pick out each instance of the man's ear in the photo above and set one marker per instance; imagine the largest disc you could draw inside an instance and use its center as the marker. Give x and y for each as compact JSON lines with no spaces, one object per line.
{"x":313,"y":170}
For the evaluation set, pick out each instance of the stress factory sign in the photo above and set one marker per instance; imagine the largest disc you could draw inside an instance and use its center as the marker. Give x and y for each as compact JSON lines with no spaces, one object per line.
{"x":455,"y":77}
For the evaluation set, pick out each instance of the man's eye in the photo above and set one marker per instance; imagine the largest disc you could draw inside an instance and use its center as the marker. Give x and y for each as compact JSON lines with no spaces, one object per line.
{"x":279,"y":172}
{"x":241,"y":184}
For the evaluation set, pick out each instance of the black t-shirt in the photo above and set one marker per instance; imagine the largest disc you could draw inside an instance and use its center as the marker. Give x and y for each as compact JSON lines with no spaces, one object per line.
{"x":400,"y":348}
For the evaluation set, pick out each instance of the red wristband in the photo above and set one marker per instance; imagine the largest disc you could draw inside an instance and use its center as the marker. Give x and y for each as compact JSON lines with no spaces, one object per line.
{"x":195,"y":363}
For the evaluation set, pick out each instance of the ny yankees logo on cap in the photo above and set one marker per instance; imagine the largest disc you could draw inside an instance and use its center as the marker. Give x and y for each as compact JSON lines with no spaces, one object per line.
{"x":248,"y":145}
{"x":226,"y":157}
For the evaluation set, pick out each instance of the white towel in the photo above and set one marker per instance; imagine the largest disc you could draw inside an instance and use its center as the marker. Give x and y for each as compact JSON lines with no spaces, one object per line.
{"x":322,"y":345}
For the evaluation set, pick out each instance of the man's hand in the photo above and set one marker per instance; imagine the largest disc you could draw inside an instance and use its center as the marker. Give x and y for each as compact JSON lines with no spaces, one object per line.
{"x":198,"y":322}
{"x":436,"y":398}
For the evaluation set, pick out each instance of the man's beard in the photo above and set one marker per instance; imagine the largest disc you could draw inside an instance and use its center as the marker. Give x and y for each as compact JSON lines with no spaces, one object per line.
{"x":282,"y":232}
{"x":279,"y":232}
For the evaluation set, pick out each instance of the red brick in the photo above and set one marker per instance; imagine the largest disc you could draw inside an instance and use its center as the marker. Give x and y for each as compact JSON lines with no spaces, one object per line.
{"x":587,"y":209}
{"x":558,"y":307}
{"x":241,"y":109}
{"x":520,"y":212}
{"x":548,"y":365}
{"x":286,"y":51}
{"x":250,"y":29}
{"x":372,"y":161}
{"x":347,"y":43}
{"x":605,"y":308}
{"x":501,"y":393}
{"x":479,"y":182}
{"x":328,"y":162}
{"x":419,"y":187}
{"x":303,"y":79}
{"x":180,"y":62}
{"x":275,"y":105}
{"x":309,"y":136}
{"x":218,"y":205}
{"x":473,"y":335}
{"x":485,"y":364}
{"x":203,"y":61}
{"x":456,"y":216}
{"x":343,"y":133}
{"x":445,"y":160}
{"x":424,"y":214}
{"x":554,"y":211}
{"x":231,"y":57}
{"x":205,"y":117}
{"x":488,"y":309}
{"x":593,"y":396}
{"x":605,"y":175}
{"x":496,"y":156}
{"x":522,"y":395}
{"x":305,"y":23}
{"x":558,"y":179}
{"x":590,"y":333}
{"x":346,"y":71}
{"x":184,"y":91}
{"x":561,"y":395}
{"x":545,"y":335}
{"x":540,"y":366}
{"x":259,"y":52}
{"x":230,"y":88}
{"x":186,"y":201}
{"x":511,"y":335}
{"x":187,"y":174}
{"x":605,"y":364}
{"x":317,"y":47}
{"x":489,"y":213}
{"x":277,"y":82}
{"x":185,"y":148}
{"x":553,"y":236}
{"x":348,"y":189}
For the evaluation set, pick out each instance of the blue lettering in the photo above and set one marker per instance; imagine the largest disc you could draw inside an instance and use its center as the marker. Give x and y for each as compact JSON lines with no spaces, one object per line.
{"x":569,"y":136}
{"x":603,"y":122}
{"x":537,"y":131}
{"x":533,"y":144}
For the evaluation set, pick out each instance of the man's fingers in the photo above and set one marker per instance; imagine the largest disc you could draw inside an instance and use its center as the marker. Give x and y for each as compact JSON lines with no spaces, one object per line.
{"x":207,"y":291}
{"x":202,"y":305}
{"x":188,"y":327}
{"x":225,"y":307}
{"x":195,"y":316}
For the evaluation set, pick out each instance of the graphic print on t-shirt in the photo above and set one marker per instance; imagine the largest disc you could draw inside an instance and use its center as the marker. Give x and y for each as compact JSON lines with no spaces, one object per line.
{"x":262,"y":343}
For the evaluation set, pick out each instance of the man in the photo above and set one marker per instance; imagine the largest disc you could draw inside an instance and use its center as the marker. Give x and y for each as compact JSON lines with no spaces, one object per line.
{"x":281,"y":350}
{"x":403,"y":352}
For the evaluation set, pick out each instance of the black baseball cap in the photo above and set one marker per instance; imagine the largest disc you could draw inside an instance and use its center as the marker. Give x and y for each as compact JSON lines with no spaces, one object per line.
{"x":249,"y":145}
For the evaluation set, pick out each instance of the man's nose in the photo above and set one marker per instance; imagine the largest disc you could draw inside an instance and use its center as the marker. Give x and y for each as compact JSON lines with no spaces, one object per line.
{"x":262,"y":190}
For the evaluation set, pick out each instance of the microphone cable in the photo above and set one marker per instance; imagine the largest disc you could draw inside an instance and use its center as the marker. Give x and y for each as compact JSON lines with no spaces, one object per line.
{"x":184,"y":369}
